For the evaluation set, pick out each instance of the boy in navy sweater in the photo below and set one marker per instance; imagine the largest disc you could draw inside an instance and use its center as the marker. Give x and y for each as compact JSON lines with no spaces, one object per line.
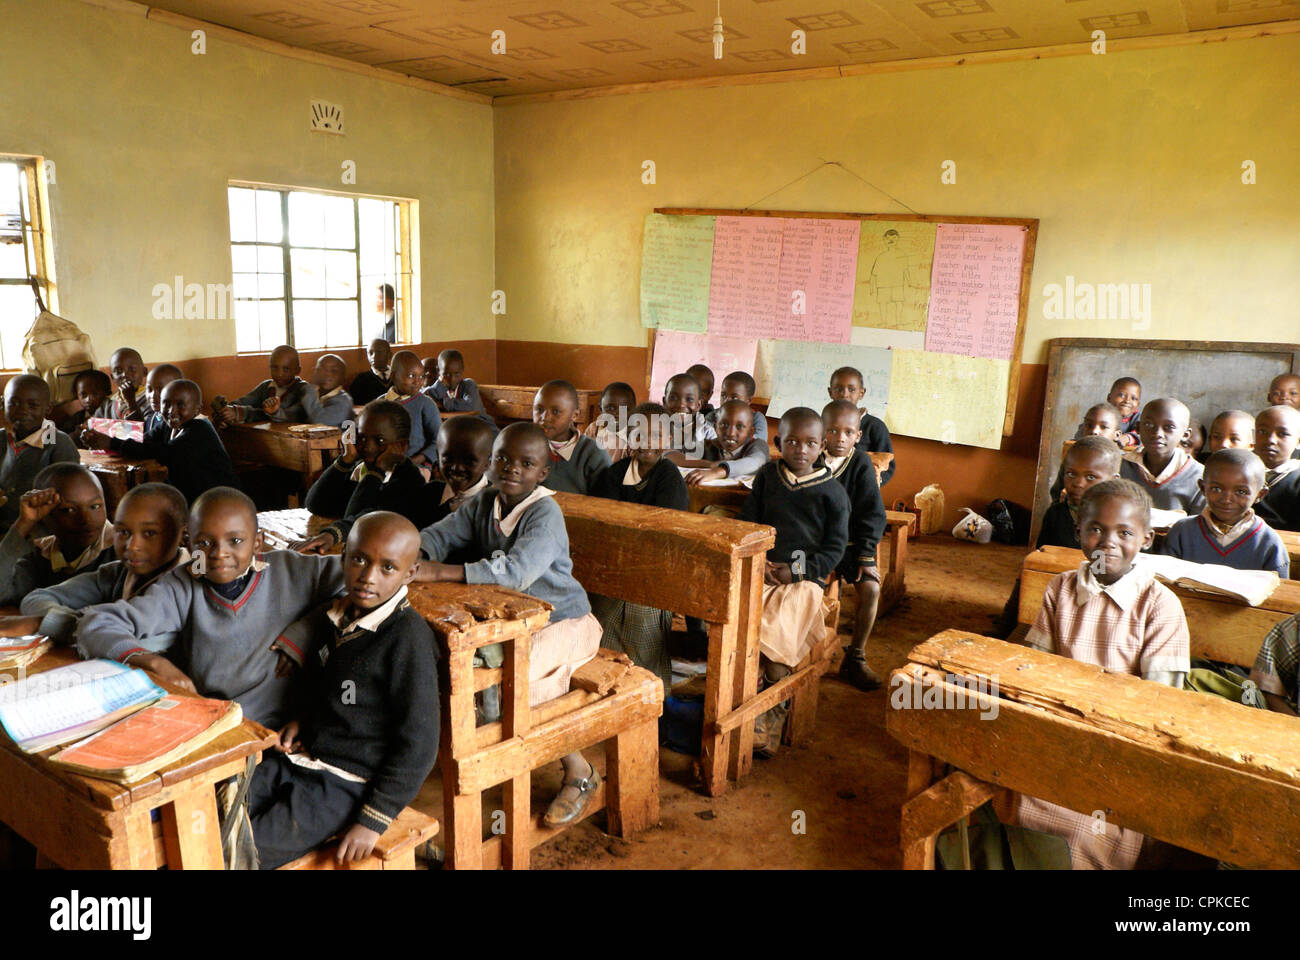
{"x":92,"y":388}
{"x":575,"y":459}
{"x":451,"y":390}
{"x":800,"y":497}
{"x":407,"y":377}
{"x":1163,"y":468}
{"x":146,"y":535}
{"x":854,"y":470}
{"x":514,"y":534}
{"x":184,"y":443}
{"x":353,"y":762}
{"x":1228,"y":531}
{"x":154,"y":384}
{"x":1277,"y":431}
{"x":373,"y":383}
{"x":67,"y":503}
{"x":233,"y":612}
{"x":28,"y":445}
{"x":847,"y":384}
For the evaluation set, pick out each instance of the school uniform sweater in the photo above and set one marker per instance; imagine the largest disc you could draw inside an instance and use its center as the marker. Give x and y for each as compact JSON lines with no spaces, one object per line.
{"x":25,"y":566}
{"x":662,"y":486}
{"x":578,"y":471}
{"x":425,"y":422}
{"x":386,"y":730}
{"x":403,"y":490}
{"x":1280,"y":508}
{"x":115,"y":406}
{"x":857,"y":475}
{"x":1256,"y":547}
{"x":366,"y":386}
{"x":745,"y":460}
{"x":196,"y":459}
{"x":811,"y":519}
{"x":760,"y":422}
{"x":332,"y":409}
{"x":1060,"y":527}
{"x":533,"y":558}
{"x":875,"y":439}
{"x":59,"y":606}
{"x":291,"y":409}
{"x":21,"y":462}
{"x":223,"y":645}
{"x":1177,"y":490}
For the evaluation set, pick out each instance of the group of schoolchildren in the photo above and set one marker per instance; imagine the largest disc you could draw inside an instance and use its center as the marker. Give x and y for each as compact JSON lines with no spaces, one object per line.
{"x":1236,"y":487}
{"x":180,"y":585}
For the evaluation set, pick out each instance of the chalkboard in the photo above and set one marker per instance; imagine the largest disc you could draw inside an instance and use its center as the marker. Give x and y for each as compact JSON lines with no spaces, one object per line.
{"x":933,"y":306}
{"x":1209,"y":377}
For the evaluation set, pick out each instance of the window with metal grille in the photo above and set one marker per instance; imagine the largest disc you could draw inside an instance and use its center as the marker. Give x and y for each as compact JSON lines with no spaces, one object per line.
{"x":25,"y":253}
{"x":308,"y":267}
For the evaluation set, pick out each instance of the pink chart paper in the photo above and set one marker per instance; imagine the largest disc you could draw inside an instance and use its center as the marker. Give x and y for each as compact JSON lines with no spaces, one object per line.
{"x":975,"y":289}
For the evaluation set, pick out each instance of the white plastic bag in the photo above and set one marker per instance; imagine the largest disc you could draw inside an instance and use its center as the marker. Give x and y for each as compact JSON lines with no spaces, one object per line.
{"x":973,"y":527}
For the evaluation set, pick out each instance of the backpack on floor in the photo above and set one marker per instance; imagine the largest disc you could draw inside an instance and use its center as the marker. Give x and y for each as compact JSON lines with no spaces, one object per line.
{"x":1010,"y":522}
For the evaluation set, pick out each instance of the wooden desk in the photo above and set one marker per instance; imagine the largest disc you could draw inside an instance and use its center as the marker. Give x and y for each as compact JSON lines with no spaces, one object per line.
{"x":118,"y":474}
{"x":609,"y":700}
{"x":80,"y":822}
{"x":1190,"y":769}
{"x":1220,"y":628}
{"x":277,"y":445}
{"x":1291,"y":540}
{"x":506,"y":404}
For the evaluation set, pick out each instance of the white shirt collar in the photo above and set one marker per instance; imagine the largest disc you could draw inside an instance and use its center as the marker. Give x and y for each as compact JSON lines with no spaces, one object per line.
{"x":134,"y":582}
{"x":565,"y":449}
{"x":37,"y":437}
{"x":1176,"y":463}
{"x":511,"y":520}
{"x":449,"y":494}
{"x":360,"y":471}
{"x":1123,"y":591}
{"x":48,"y":547}
{"x":633,"y":475}
{"x":370,"y":621}
{"x":834,"y":463}
{"x":1239,"y":528}
{"x":790,"y":478}
{"x":333,"y":393}
{"x":1271,"y":475}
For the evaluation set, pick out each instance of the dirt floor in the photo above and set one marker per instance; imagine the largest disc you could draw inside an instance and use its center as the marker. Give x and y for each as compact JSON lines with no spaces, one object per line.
{"x":845,"y":788}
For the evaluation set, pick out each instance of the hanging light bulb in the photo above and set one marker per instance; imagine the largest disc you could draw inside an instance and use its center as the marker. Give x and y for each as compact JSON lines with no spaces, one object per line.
{"x":717,"y":33}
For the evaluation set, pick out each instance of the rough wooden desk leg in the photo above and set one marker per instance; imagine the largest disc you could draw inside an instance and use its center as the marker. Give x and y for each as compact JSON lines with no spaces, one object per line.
{"x":516,"y":792}
{"x":463,"y":812}
{"x":932,"y":811}
{"x":191,"y":835}
{"x":718,"y":685}
{"x":749,"y":622}
{"x":633,"y":774}
{"x":920,"y":772}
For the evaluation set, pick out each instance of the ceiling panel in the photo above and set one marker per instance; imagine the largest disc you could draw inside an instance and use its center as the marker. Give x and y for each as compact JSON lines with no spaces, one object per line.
{"x":570,"y":44}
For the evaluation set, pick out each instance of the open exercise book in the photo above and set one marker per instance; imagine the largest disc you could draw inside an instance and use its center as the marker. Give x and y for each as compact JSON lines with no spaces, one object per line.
{"x":139,"y":727}
{"x":1251,"y":586}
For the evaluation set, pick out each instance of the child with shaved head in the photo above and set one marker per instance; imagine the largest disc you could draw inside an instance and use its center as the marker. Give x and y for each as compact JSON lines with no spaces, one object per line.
{"x":575,"y":459}
{"x":27,"y":445}
{"x":232,"y":610}
{"x":512,"y":534}
{"x":1228,"y":531}
{"x":1277,"y":431}
{"x":130,"y":401}
{"x":1163,"y":468}
{"x":736,"y":449}
{"x":278,"y":399}
{"x":350,"y":764}
{"x":1231,"y":428}
{"x":154,"y":384}
{"x":324,"y":399}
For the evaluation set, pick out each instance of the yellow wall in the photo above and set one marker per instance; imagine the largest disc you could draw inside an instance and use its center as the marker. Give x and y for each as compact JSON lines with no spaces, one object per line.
{"x":145,"y":135}
{"x":1131,"y":161}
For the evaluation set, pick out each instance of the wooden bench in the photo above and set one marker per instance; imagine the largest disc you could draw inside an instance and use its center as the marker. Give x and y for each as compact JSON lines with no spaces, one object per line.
{"x":77,"y":822}
{"x":1193,"y":770}
{"x":1220,"y":628}
{"x":507,"y":404}
{"x":395,"y":850}
{"x":118,"y":474}
{"x":281,"y":445}
{"x":610,"y":701}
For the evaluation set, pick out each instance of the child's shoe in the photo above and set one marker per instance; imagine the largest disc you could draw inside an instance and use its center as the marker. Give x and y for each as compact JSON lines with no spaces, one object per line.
{"x":855,"y":672}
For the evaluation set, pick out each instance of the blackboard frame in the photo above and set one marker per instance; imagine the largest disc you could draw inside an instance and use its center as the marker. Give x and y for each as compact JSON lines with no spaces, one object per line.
{"x":1026,"y":267}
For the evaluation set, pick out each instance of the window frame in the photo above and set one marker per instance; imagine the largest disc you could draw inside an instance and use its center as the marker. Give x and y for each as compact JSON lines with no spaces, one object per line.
{"x":406,"y":266}
{"x":37,"y":236}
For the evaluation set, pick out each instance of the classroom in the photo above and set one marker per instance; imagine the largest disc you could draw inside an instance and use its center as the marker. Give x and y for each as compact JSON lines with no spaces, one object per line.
{"x":514,"y":348}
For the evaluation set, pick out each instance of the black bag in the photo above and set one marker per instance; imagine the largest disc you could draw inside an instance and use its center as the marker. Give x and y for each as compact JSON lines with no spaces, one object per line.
{"x":1010,"y":522}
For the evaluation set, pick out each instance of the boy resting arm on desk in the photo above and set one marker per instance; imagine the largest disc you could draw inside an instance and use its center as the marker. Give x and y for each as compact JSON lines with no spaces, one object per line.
{"x":353,"y":763}
{"x":278,"y":399}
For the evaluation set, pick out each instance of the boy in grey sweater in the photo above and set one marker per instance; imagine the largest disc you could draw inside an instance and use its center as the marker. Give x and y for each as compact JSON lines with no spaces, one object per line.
{"x":227,"y":607}
{"x":27,"y":446}
{"x":737,"y":450}
{"x":1163,"y":468}
{"x":576,"y":460}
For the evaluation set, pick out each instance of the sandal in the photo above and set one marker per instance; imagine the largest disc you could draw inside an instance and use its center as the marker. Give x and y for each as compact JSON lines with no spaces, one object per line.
{"x":563,"y":812}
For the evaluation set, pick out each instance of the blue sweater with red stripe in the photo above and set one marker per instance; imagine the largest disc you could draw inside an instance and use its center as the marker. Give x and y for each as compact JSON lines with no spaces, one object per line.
{"x":1259,"y":548}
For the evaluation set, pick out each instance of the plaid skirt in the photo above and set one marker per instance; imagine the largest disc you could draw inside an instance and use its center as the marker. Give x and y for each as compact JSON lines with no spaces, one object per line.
{"x":1094,"y":843}
{"x":637,"y":630}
